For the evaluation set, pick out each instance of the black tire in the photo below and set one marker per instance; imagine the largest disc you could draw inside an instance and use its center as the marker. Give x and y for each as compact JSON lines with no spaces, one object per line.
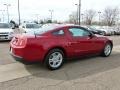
{"x":103,"y":52}
{"x":47,"y":63}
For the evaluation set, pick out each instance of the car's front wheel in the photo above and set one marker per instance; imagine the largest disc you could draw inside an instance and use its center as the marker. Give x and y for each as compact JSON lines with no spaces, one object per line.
{"x":54,"y":59}
{"x":107,"y":50}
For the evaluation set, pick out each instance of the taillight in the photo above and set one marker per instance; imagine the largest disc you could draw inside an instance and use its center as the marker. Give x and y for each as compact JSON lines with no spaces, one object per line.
{"x":14,"y":41}
{"x":20,"y":42}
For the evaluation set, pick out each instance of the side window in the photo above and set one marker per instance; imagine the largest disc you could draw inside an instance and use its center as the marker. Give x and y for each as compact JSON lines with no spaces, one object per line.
{"x":60,"y":32}
{"x":77,"y":32}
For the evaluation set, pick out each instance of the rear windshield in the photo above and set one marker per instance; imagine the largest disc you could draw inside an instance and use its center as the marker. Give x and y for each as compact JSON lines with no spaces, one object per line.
{"x":4,"y":25}
{"x":42,"y":30}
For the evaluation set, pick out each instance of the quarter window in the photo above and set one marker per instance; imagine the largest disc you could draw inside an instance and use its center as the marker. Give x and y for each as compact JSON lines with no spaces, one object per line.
{"x":60,"y":32}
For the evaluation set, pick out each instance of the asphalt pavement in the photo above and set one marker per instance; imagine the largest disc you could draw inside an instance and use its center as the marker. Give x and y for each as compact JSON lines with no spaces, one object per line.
{"x":93,"y":73}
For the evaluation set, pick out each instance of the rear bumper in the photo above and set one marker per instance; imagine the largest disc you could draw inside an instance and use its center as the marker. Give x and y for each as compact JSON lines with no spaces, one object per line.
{"x":17,"y":58}
{"x":25,"y":57}
{"x":21,"y":59}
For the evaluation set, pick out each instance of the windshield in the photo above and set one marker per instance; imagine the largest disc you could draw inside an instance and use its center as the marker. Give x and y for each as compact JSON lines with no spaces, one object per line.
{"x":32,"y":26}
{"x":4,"y":25}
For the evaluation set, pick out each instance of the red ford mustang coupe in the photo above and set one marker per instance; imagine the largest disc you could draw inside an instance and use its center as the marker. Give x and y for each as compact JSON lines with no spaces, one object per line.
{"x":53,"y":44}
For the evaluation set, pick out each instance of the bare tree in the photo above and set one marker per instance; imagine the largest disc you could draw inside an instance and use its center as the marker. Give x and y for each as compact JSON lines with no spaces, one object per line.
{"x":73,"y":18}
{"x":110,"y":15}
{"x":89,"y":16}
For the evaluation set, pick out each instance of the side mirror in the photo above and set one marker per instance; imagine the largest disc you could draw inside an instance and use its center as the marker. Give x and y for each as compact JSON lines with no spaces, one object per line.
{"x":91,"y":35}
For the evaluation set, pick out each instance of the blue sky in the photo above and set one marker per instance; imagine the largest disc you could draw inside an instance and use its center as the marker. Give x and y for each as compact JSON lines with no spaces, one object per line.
{"x":62,"y":8}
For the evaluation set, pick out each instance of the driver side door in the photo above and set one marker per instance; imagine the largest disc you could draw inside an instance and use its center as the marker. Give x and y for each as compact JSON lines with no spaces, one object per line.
{"x":80,"y":41}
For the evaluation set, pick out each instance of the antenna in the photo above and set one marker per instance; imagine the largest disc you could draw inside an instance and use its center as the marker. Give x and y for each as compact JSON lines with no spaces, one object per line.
{"x":34,"y":34}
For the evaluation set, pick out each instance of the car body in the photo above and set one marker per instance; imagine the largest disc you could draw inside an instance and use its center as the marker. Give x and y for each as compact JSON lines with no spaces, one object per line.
{"x":110,"y":29}
{"x":105,"y":29}
{"x":95,"y":31}
{"x":6,"y":33}
{"x":69,"y":41}
{"x":116,"y":30}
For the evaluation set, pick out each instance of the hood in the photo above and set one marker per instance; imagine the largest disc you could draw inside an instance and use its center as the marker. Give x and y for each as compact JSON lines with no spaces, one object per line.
{"x":5,"y":30}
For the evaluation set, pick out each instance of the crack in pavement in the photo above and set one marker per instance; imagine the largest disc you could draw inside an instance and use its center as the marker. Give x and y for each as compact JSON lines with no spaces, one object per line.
{"x":53,"y":85}
{"x":93,"y":82}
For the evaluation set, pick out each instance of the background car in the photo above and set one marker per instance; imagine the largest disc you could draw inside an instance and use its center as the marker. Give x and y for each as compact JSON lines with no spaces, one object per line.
{"x":30,"y":27}
{"x":117,"y":30}
{"x":6,"y":33}
{"x":95,"y":31}
{"x":106,"y":31}
{"x":52,"y":45}
{"x":109,"y":29}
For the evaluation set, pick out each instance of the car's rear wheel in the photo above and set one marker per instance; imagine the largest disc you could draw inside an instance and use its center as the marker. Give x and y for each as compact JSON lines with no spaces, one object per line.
{"x":107,"y":50}
{"x":54,"y":59}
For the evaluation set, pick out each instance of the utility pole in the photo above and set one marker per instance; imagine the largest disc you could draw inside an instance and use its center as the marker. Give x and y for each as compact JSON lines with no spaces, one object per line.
{"x":19,"y":12}
{"x":99,"y":16}
{"x":79,"y":11}
{"x":7,"y":6}
{"x":82,"y":17}
{"x":51,"y":13}
{"x":37,"y":17}
{"x":2,"y":14}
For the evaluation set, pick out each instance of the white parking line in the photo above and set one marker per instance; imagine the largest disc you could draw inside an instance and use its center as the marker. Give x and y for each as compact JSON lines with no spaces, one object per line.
{"x":12,"y":71}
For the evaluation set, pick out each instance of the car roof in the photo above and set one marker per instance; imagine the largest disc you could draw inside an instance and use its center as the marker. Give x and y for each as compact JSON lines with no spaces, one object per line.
{"x":55,"y":26}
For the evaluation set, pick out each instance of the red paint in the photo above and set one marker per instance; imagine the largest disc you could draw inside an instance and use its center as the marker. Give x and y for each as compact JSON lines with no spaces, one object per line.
{"x":32,"y":48}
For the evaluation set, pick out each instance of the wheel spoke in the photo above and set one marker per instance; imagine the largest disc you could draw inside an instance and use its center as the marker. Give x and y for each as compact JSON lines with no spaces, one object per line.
{"x":107,"y":50}
{"x":50,"y":60}
{"x":58,"y":56}
{"x":54,"y":63}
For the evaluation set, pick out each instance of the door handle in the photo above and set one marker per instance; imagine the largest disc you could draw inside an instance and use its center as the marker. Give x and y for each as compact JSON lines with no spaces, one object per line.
{"x":88,"y":38}
{"x":70,"y":43}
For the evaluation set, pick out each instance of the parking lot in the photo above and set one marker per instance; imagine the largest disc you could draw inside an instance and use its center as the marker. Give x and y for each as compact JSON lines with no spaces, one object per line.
{"x":93,"y":73}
